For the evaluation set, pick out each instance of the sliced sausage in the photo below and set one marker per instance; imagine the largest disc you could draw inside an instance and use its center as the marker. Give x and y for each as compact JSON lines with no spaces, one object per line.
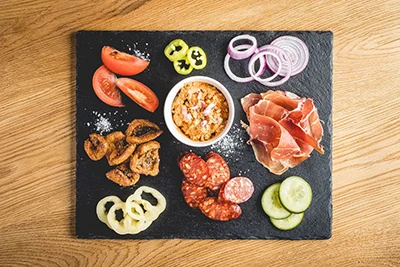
{"x":193,"y":194}
{"x":194,"y":168}
{"x":237,"y":190}
{"x":219,"y":171}
{"x":220,"y":210}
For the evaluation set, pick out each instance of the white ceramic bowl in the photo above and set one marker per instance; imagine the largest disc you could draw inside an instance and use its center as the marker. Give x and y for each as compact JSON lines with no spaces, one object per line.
{"x":168,"y":111}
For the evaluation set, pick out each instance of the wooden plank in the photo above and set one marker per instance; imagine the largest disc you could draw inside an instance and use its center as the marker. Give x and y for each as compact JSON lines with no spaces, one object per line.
{"x":37,"y":120}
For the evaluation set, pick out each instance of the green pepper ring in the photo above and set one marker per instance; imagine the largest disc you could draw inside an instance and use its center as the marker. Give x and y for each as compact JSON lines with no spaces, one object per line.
{"x":172,"y":54}
{"x":180,"y":68}
{"x":201,"y":56}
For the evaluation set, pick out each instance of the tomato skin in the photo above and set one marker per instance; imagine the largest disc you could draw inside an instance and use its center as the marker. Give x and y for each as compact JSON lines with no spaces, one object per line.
{"x":103,"y":83}
{"x":138,"y":92}
{"x":122,"y":63}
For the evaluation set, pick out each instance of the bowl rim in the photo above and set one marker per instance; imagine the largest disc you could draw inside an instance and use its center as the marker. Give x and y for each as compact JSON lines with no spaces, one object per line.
{"x":168,"y":114}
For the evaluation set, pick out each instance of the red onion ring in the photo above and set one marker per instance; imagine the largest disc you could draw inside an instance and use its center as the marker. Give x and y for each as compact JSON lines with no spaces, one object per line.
{"x":273,"y":76}
{"x":240,"y":79}
{"x":235,"y":53}
{"x":269,"y":50}
{"x":297,"y":52}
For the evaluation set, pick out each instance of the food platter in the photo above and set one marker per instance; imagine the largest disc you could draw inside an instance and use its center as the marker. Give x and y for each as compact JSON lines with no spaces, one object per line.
{"x":179,"y":220}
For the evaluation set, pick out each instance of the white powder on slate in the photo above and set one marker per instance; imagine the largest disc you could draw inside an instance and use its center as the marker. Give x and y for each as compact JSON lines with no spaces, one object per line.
{"x":139,"y":53}
{"x":107,"y":121}
{"x":230,"y":146}
{"x":244,"y":173}
{"x":103,"y":125}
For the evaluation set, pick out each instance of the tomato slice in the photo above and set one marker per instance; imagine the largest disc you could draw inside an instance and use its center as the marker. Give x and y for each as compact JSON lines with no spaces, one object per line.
{"x":138,"y":92}
{"x":122,"y":63}
{"x":104,"y":86}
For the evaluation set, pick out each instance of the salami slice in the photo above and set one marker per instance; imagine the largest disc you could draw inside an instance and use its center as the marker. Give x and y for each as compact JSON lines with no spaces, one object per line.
{"x":219,"y":171}
{"x":220,"y":210}
{"x":193,"y":194}
{"x":237,"y":190}
{"x":194,"y":168}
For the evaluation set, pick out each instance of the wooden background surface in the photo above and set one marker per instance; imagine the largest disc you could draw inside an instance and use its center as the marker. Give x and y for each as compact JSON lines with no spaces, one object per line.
{"x":37,"y":137}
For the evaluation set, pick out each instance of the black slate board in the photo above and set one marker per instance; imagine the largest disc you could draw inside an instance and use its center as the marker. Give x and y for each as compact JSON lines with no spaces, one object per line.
{"x":178,"y":220}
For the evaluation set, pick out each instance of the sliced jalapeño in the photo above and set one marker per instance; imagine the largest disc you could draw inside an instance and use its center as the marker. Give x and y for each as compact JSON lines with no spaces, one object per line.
{"x":182,"y":66}
{"x":176,"y":49}
{"x":197,"y":57}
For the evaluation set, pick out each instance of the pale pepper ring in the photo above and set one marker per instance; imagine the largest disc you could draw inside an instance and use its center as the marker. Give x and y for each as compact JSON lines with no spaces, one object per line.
{"x":101,"y":208}
{"x":161,"y":202}
{"x":134,"y":210}
{"x":118,"y":226}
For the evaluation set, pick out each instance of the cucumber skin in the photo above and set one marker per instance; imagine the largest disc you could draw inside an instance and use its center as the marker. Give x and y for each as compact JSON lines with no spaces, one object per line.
{"x":276,"y":222}
{"x":311,"y":197}
{"x":266,"y":212}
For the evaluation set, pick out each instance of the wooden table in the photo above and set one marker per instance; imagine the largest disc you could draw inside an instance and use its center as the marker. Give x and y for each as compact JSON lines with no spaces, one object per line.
{"x":37,"y":139}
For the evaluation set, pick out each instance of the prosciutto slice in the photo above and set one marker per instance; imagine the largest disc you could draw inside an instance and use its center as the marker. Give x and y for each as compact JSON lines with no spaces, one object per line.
{"x":283,"y":128}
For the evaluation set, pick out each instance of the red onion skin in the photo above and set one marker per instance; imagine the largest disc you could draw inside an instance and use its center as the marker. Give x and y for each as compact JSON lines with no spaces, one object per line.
{"x":274,"y":52}
{"x":268,"y":83}
{"x":240,"y":79}
{"x":238,"y":55}
{"x":285,"y":41}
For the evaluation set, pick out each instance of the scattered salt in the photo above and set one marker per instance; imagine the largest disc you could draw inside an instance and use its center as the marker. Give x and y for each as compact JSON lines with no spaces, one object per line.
{"x":139,"y":53}
{"x":107,"y":121}
{"x":231,"y":146}
{"x":103,"y":125}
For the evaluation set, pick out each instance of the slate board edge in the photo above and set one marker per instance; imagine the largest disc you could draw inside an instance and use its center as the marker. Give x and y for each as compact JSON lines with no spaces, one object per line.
{"x":210,"y":237}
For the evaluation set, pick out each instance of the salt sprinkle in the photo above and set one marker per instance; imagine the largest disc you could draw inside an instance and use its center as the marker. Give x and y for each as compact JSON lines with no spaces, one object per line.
{"x":232,"y":145}
{"x":138,"y":53}
{"x":107,"y":121}
{"x":103,"y":125}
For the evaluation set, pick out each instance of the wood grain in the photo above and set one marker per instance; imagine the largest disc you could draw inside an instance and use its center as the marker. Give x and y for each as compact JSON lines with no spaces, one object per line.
{"x":37,"y":136}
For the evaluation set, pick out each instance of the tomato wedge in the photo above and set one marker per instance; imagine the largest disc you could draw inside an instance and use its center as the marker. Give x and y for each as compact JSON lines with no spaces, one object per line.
{"x":104,"y":86}
{"x":122,"y":63}
{"x":138,"y":92}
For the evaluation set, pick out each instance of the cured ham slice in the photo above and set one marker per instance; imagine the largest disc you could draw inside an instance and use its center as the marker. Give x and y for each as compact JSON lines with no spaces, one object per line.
{"x":283,"y":128}
{"x":263,"y":156}
{"x":270,"y":109}
{"x":284,"y":101}
{"x":299,"y":134}
{"x":248,"y":101}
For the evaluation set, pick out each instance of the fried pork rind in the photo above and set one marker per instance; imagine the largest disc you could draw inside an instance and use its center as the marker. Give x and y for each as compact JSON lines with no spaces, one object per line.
{"x":141,"y":131}
{"x":96,"y":146}
{"x":145,"y":160}
{"x":123,"y":176}
{"x":119,"y":152}
{"x":115,"y":137}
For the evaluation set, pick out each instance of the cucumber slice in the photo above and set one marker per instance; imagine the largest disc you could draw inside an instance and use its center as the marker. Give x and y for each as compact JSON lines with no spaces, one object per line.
{"x":272,"y":205}
{"x":295,"y":194}
{"x":289,"y":223}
